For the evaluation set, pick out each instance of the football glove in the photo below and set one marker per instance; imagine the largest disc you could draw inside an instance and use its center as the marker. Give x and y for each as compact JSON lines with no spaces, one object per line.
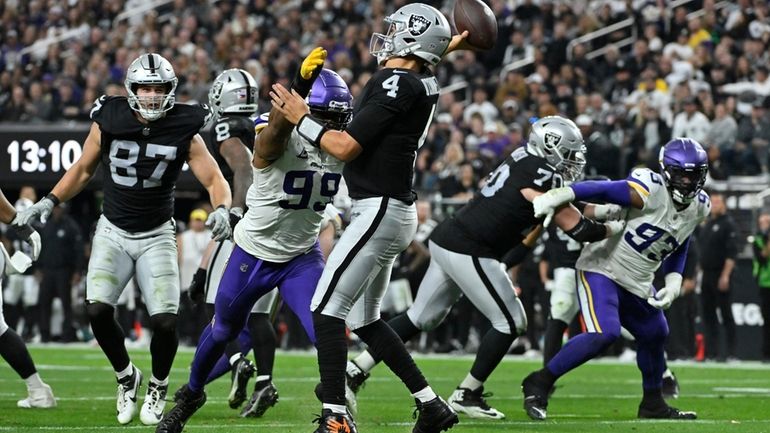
{"x":308,"y":71}
{"x":38,"y":211}
{"x":219,"y":224}
{"x":615,"y":227}
{"x":236,"y":214}
{"x":546,"y":204}
{"x":670,"y":291}
{"x":196,"y":291}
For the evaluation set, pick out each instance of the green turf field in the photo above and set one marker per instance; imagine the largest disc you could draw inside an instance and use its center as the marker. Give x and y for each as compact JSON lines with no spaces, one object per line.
{"x":599,"y":397}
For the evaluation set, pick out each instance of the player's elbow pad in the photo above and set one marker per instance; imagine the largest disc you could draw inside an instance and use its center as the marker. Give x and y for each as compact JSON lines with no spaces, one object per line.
{"x":587,"y":231}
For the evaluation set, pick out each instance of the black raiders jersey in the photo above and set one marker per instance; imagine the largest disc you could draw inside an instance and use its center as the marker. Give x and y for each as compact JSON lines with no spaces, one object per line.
{"x":561,"y":251}
{"x":498,"y":217}
{"x":390,"y":122}
{"x":141,"y":162}
{"x":231,"y":126}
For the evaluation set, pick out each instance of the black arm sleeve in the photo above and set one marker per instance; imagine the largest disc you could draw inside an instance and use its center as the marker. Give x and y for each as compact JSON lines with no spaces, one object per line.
{"x":587,"y":231}
{"x":516,"y":255}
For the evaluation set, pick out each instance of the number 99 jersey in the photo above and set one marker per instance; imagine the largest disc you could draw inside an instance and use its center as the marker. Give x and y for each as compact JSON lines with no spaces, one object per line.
{"x":286,"y":202}
{"x":652,"y":233}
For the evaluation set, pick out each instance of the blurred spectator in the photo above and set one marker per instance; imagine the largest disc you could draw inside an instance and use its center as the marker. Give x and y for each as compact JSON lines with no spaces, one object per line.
{"x":192,"y":244}
{"x":690,"y":123}
{"x":650,"y":133}
{"x":722,"y":131}
{"x":482,"y":106}
{"x":603,"y":158}
{"x":61,"y":264}
{"x":718,"y":250}
{"x":761,"y":248}
{"x":760,"y":85}
{"x":754,"y":136}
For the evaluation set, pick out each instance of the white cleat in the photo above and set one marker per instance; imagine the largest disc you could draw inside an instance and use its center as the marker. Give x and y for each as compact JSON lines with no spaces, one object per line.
{"x":128,"y":389}
{"x":154,"y":403}
{"x":38,"y":398}
{"x":473,"y":404}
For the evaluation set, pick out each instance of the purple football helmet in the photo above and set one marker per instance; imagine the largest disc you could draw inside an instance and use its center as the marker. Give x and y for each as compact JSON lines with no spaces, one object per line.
{"x":330,"y":100}
{"x":684,"y":166}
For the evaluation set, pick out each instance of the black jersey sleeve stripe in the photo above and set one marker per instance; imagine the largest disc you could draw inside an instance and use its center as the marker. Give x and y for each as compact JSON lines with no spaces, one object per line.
{"x":353,"y":252}
{"x":494,"y":294}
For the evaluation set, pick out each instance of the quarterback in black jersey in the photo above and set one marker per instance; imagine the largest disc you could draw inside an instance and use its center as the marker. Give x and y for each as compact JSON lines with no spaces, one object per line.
{"x":142,"y":142}
{"x":390,"y":122}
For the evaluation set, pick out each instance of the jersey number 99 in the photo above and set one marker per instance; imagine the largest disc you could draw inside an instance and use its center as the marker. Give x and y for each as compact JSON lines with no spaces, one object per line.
{"x":300,"y":183}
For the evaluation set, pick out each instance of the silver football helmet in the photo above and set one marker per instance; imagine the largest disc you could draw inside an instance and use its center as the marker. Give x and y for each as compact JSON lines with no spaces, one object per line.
{"x":151,"y":69}
{"x":560,"y":142}
{"x":233,"y":91}
{"x":415,"y":29}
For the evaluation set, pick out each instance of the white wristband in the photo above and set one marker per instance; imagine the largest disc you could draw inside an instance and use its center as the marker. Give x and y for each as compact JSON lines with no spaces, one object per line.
{"x":311,"y":130}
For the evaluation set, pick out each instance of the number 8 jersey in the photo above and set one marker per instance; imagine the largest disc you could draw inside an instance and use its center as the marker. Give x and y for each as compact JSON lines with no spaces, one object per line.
{"x":141,"y":162}
{"x":286,"y":202}
{"x":652,"y":233}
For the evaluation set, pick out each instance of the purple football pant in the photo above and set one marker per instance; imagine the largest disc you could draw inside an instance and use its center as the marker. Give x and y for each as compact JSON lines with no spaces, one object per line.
{"x":246,"y":279}
{"x":223,"y":366}
{"x":606,"y":307}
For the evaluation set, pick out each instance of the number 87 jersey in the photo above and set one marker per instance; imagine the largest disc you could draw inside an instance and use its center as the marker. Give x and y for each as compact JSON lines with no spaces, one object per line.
{"x":651,"y":234}
{"x":286,"y":201}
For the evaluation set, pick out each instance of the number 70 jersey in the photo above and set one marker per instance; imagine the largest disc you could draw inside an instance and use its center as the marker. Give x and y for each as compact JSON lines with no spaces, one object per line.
{"x":651,"y":234}
{"x":286,"y":202}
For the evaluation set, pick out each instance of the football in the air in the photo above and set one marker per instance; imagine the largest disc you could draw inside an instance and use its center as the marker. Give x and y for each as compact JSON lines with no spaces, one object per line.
{"x":478,"y":18}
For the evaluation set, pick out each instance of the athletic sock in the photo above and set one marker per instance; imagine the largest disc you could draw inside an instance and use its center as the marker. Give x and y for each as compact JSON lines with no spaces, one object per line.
{"x":34,"y":382}
{"x":554,"y":334}
{"x":425,"y":395}
{"x":128,"y":371}
{"x":332,"y":359}
{"x":336,"y":408}
{"x":492,"y":349}
{"x":364,"y":362}
{"x":471,"y":383}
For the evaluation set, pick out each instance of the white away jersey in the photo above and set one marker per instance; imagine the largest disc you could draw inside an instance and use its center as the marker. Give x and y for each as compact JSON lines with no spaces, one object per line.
{"x":651,"y":234}
{"x":286,"y":202}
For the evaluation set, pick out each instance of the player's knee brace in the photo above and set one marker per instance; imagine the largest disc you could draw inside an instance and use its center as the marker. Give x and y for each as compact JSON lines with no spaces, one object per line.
{"x":163,"y":323}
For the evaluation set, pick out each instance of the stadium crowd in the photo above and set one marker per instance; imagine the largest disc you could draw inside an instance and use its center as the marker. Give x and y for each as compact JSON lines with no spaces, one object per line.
{"x":703,"y":75}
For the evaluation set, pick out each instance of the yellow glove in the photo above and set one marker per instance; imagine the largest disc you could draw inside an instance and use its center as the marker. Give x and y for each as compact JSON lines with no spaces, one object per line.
{"x":314,"y":60}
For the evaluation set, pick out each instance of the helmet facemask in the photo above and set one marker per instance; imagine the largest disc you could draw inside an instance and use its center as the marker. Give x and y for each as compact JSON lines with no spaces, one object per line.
{"x":336,"y":116}
{"x":684,"y":184}
{"x":572,"y":164}
{"x":151,"y":107}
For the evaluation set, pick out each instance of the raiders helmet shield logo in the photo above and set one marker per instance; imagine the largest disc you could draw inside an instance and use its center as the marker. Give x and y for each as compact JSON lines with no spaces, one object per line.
{"x":551,"y":139}
{"x":418,"y":24}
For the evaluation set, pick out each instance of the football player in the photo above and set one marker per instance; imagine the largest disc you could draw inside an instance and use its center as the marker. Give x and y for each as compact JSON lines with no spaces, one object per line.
{"x":615,"y":276}
{"x":233,"y":100}
{"x":496,"y":226}
{"x":142,"y":141}
{"x":276,"y":242}
{"x":379,"y":148}
{"x":12,"y":347}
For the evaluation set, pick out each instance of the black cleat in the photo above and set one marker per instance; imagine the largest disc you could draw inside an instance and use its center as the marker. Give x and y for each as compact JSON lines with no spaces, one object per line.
{"x":264,"y":397}
{"x":665,"y":412}
{"x":670,"y":387}
{"x":434,"y":416}
{"x":330,"y":422}
{"x":356,"y":378}
{"x":242,"y":371}
{"x":186,"y":406}
{"x":535,"y":397}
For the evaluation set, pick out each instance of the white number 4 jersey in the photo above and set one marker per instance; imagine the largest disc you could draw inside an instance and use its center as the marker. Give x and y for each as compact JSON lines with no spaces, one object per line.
{"x":286,"y":202}
{"x":652,"y":233}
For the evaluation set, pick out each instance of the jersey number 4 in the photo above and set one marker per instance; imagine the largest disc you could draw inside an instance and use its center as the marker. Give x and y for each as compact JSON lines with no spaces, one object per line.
{"x":124,"y":154}
{"x":300,"y":183}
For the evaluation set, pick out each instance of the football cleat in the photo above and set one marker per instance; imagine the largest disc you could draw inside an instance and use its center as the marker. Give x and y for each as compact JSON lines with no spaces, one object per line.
{"x":154,"y":403}
{"x":242,"y":371}
{"x":128,"y":388}
{"x":41,"y":397}
{"x":434,"y":416}
{"x":186,"y":406}
{"x":670,"y":387}
{"x":665,"y":412}
{"x":330,"y":422}
{"x":355,"y":376}
{"x":264,"y":397}
{"x":473,"y":403}
{"x":535,"y":397}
